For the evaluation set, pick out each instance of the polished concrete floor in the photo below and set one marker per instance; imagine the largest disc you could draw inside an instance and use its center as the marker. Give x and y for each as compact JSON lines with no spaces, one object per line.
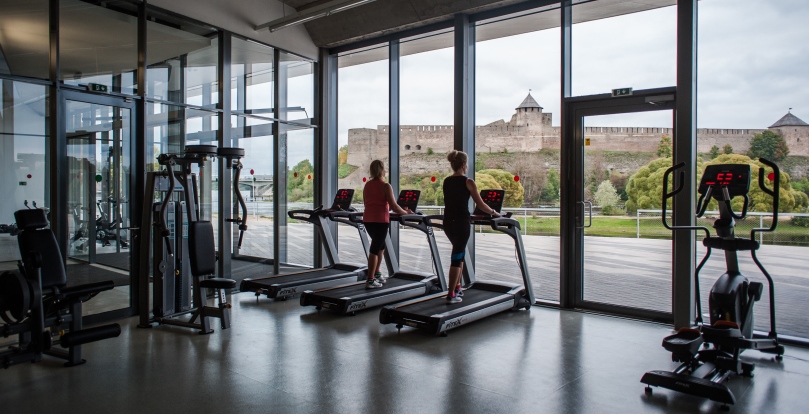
{"x":282,"y":358}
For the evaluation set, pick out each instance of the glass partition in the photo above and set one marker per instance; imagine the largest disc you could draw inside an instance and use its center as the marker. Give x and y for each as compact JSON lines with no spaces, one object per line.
{"x":23,"y":158}
{"x":98,"y":43}
{"x":252,"y":87}
{"x":517,"y":147}
{"x":300,"y":194}
{"x":24,"y":38}
{"x":636,"y":50}
{"x":362,"y":128}
{"x":182,"y":63}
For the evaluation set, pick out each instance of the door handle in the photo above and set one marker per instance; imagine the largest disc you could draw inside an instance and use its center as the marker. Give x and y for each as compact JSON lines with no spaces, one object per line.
{"x":590,"y":214}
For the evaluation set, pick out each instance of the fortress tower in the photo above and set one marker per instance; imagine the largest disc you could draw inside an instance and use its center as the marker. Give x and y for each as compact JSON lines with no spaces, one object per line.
{"x":529,"y":114}
{"x":795,"y":133}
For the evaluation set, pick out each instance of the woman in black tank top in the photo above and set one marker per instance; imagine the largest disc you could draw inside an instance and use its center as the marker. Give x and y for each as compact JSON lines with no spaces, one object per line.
{"x":457,"y":191}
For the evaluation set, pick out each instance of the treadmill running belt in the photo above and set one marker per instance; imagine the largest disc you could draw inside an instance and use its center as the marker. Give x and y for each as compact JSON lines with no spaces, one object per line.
{"x":439,"y":304}
{"x":359,"y":289}
{"x":269,"y":281}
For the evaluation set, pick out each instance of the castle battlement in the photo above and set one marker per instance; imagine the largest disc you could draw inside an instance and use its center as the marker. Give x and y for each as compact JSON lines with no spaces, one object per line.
{"x":530,"y":129}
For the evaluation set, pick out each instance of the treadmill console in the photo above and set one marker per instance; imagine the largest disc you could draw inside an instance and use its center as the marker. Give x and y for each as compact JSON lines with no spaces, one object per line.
{"x":735,"y":177}
{"x":342,"y":200}
{"x":493,"y":199}
{"x":409,"y":199}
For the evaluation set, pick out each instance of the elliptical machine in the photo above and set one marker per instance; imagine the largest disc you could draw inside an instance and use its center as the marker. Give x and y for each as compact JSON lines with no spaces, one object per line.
{"x":730,"y":329}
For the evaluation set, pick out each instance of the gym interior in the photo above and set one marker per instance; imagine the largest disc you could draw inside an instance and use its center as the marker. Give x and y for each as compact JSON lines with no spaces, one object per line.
{"x":182,"y":197}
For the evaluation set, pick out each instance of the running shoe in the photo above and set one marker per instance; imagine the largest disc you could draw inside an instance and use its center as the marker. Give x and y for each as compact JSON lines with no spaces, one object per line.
{"x":372,"y":284}
{"x":454,"y":299}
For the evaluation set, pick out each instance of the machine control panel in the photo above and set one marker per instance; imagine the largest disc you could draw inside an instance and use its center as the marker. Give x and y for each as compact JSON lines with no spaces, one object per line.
{"x":735,"y":177}
{"x":342,"y":200}
{"x":409,"y":199}
{"x":493,"y":199}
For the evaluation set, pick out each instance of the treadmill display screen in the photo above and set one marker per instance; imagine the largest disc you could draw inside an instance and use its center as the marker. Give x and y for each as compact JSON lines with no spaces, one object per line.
{"x":736,"y":177}
{"x":409,"y":199}
{"x":342,"y":200}
{"x":493,"y":199}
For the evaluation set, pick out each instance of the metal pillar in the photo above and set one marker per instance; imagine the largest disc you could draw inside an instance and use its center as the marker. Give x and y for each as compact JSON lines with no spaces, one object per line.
{"x":464,"y":78}
{"x":326,"y":140}
{"x":567,"y":174}
{"x":685,"y":150}
{"x":56,"y":158}
{"x":223,"y":136}
{"x":394,"y":126}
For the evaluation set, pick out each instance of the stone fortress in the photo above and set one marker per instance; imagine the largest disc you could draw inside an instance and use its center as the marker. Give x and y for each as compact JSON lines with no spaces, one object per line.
{"x":530,"y":130}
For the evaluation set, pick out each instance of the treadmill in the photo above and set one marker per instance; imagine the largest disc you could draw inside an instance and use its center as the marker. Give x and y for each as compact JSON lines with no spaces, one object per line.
{"x":336,"y":274}
{"x":481,"y":298}
{"x":402,"y":285}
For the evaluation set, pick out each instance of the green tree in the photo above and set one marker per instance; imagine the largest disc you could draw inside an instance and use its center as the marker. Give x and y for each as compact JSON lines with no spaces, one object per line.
{"x":486,"y":182}
{"x":727,"y":149}
{"x":606,"y":197}
{"x":664,"y":147}
{"x":646,"y":186}
{"x":551,"y":192}
{"x":300,"y":181}
{"x":514,"y":190}
{"x":768,"y":145}
{"x":714,"y":152}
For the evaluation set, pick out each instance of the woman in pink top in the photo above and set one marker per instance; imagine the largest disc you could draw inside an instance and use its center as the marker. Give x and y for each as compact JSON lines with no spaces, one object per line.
{"x":378,"y":199}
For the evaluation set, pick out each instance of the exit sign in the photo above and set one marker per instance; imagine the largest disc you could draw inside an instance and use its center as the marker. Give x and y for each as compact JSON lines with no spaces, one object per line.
{"x":621,"y":92}
{"x":97,"y":87}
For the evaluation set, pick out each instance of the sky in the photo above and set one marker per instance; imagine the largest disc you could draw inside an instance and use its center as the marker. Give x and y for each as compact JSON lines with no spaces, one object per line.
{"x":753,"y":59}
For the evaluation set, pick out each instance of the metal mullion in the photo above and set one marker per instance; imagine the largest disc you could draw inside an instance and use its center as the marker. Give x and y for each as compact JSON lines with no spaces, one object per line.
{"x":326,"y":143}
{"x":394,"y":127}
{"x":464,"y":107}
{"x":138,"y":151}
{"x":25,"y":79}
{"x":280,"y":169}
{"x":223,"y":135}
{"x":685,"y":150}
{"x":57,"y":162}
{"x":567,"y":219}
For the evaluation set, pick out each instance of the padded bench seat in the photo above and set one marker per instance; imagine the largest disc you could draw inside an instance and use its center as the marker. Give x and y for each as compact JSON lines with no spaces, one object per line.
{"x":217,"y":283}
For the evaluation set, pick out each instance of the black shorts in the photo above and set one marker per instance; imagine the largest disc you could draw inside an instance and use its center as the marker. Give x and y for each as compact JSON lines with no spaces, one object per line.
{"x":378,"y":232}
{"x":457,"y":232}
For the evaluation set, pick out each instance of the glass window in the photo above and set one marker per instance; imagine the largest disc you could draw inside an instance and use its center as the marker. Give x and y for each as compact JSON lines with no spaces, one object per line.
{"x":300,"y":193}
{"x":753,"y":89}
{"x":256,"y":184}
{"x":252,"y":88}
{"x":517,"y":136}
{"x":182,"y":63}
{"x":24,"y":38}
{"x":299,"y":74}
{"x":99,"y":44}
{"x":363,"y":135}
{"x":427,"y":108}
{"x":23,"y":156}
{"x":635,"y":50}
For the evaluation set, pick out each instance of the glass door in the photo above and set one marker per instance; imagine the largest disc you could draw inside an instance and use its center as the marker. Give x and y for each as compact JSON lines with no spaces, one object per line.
{"x":98,"y":134}
{"x":621,"y":256}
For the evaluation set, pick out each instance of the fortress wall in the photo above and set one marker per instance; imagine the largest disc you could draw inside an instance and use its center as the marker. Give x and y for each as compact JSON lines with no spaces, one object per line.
{"x":368,"y":144}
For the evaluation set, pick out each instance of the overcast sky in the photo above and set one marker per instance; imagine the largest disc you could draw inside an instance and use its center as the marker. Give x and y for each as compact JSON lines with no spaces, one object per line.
{"x":753,"y":66}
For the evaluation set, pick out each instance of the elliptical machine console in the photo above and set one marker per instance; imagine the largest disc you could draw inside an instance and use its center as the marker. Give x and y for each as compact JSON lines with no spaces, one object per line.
{"x":730,"y":329}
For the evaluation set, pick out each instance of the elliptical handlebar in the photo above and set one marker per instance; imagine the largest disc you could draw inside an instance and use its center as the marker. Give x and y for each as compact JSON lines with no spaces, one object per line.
{"x":702,"y":204}
{"x":233,"y":156}
{"x":775,"y":193}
